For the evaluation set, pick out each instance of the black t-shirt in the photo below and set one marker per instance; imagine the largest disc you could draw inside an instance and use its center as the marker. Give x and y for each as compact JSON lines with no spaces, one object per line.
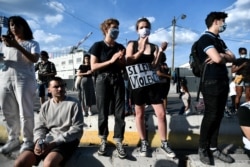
{"x":239,"y":62}
{"x":213,"y":71}
{"x":244,"y":114}
{"x":105,"y":53}
{"x":84,"y":68}
{"x":144,"y":58}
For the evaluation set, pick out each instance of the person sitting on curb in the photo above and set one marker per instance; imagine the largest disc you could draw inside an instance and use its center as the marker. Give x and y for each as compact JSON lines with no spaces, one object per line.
{"x":244,"y":121}
{"x":186,"y":99}
{"x":58,"y":130}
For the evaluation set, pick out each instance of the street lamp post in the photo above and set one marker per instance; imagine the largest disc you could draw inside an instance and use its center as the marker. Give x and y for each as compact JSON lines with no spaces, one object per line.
{"x":183,"y":16}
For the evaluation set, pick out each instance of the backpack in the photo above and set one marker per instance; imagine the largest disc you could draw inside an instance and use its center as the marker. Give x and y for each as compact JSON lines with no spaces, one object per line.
{"x":194,"y":60}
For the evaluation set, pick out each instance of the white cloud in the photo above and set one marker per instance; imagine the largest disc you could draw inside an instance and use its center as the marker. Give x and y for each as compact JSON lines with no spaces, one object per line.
{"x":238,"y":19}
{"x":53,"y":20}
{"x":182,"y":36}
{"x":33,"y":24}
{"x":151,"y":19}
{"x":59,"y":7}
{"x":44,"y":37}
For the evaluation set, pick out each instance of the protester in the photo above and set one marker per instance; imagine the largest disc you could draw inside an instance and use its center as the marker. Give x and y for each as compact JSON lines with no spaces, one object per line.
{"x":215,"y":86}
{"x":244,"y":121}
{"x":46,"y":71}
{"x":186,"y":99}
{"x":232,"y":94}
{"x":164,"y":74}
{"x":86,"y":91}
{"x":18,"y":83}
{"x":241,"y":67}
{"x":128,"y":106}
{"x":58,"y":130}
{"x":107,"y":61}
{"x":141,"y":53}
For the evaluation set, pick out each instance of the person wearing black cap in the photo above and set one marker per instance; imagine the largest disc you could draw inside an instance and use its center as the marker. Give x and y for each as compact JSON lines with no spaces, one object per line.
{"x":46,"y":71}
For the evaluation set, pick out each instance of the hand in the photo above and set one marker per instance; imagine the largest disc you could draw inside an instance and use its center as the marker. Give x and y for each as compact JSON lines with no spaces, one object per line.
{"x":244,"y":64}
{"x":118,"y":55}
{"x":89,"y":72}
{"x":209,"y":61}
{"x":10,"y":42}
{"x":142,"y":44}
{"x":39,"y":149}
{"x":164,"y":46}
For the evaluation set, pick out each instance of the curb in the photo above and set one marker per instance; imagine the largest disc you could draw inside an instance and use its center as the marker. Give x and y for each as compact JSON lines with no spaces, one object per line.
{"x":182,"y":131}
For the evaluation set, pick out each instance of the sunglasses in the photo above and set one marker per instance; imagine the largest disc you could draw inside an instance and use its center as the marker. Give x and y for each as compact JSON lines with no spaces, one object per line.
{"x":61,"y":86}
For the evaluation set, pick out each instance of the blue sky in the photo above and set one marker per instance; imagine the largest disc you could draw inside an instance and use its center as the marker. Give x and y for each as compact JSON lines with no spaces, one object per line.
{"x":60,"y":24}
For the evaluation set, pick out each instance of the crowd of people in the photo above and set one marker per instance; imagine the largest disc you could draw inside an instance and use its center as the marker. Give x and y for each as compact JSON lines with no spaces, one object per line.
{"x":115,"y":89}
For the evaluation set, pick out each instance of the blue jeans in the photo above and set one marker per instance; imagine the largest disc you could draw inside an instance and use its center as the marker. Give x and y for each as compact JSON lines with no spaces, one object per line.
{"x":42,"y":89}
{"x":110,"y":89}
{"x":215,"y":95}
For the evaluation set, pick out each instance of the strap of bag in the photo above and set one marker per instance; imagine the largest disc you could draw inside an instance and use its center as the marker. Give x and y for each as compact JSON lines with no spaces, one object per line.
{"x":201,"y":80}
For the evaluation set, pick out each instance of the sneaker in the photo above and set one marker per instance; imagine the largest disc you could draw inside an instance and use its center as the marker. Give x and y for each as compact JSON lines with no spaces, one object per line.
{"x":187,"y":112}
{"x":222,"y":156}
{"x":120,"y":150}
{"x":102,"y":150}
{"x":27,"y":145}
{"x":90,"y":113}
{"x":205,"y":156}
{"x":10,"y":146}
{"x":84,"y":113}
{"x":144,"y":148}
{"x":166,"y":148}
{"x":227,"y":114}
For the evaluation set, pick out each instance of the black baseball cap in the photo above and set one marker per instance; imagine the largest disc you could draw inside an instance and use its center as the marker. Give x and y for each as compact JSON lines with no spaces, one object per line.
{"x":44,"y":53}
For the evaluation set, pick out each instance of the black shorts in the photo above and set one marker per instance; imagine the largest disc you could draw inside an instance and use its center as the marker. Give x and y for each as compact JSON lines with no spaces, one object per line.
{"x":65,"y":149}
{"x":146,"y":95}
{"x":164,"y":89}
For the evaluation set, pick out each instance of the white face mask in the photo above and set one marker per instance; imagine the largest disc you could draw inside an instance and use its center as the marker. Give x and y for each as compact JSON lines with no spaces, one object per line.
{"x":243,"y":56}
{"x":144,"y":32}
{"x":181,"y":90}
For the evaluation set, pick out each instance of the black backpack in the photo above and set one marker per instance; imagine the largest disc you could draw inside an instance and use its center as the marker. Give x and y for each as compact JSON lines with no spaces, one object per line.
{"x":197,"y":65}
{"x":194,"y":60}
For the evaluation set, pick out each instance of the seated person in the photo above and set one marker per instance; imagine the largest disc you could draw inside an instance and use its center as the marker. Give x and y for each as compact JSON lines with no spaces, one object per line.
{"x":58,"y":130}
{"x":186,"y":99}
{"x":244,"y":121}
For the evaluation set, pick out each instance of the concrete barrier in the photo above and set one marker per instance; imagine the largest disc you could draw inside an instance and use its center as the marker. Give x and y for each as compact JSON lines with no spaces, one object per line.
{"x":182,"y":131}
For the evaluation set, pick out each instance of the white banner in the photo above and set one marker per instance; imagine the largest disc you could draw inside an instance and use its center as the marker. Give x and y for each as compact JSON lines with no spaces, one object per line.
{"x":141,"y":75}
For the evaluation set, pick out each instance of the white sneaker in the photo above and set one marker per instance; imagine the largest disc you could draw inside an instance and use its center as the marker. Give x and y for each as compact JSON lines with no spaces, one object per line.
{"x":10,"y":146}
{"x":90,"y":113}
{"x":84,"y":113}
{"x":187,"y":112}
{"x":27,"y":145}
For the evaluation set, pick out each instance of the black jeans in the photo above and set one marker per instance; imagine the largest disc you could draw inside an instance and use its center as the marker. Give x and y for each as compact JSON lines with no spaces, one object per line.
{"x":110,"y":89}
{"x":215,"y":93}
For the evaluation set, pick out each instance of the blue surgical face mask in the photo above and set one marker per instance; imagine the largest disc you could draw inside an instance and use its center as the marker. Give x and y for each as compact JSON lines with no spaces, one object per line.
{"x":113,"y":33}
{"x":223,"y":27}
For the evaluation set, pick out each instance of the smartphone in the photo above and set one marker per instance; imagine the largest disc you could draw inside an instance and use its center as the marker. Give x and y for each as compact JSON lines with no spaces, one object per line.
{"x":6,"y":36}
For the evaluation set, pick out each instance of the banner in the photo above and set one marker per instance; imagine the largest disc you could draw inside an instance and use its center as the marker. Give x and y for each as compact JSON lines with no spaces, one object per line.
{"x":141,"y":75}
